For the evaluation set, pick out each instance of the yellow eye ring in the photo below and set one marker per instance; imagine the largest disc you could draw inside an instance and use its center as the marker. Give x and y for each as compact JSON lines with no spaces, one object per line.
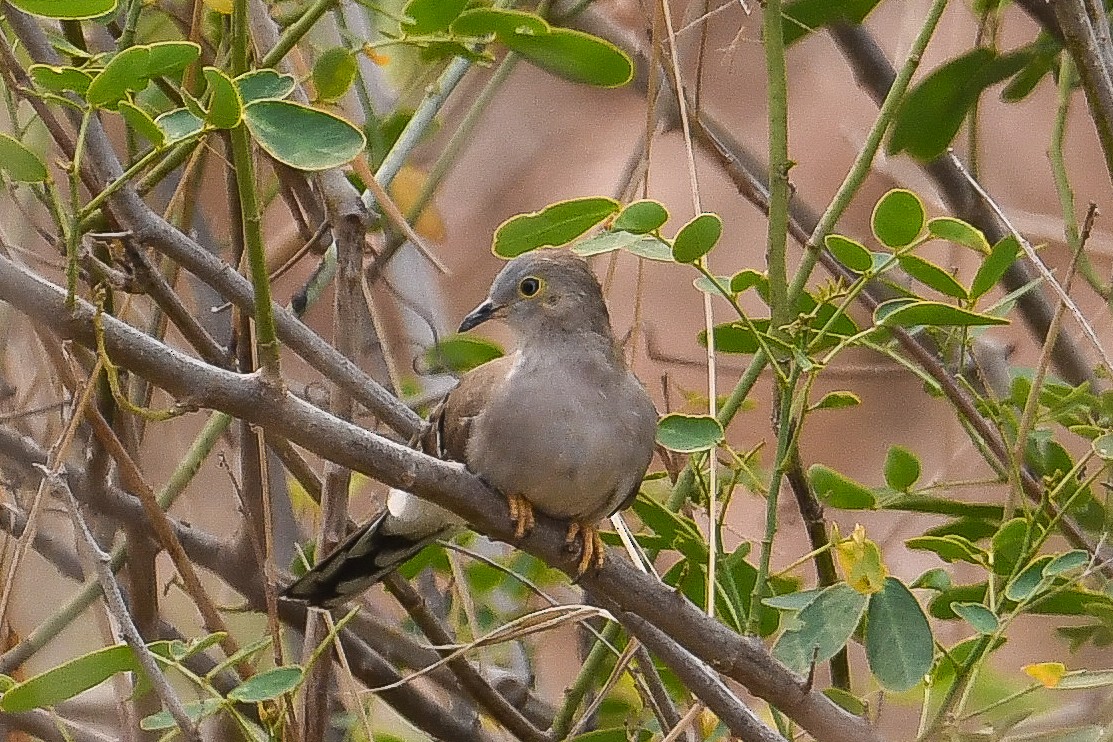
{"x":530,"y":286}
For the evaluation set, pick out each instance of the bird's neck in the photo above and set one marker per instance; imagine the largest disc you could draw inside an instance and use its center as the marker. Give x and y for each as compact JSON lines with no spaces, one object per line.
{"x":582,"y":343}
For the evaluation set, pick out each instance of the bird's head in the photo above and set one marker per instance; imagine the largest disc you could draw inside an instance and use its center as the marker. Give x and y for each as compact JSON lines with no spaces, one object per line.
{"x":545,"y":291}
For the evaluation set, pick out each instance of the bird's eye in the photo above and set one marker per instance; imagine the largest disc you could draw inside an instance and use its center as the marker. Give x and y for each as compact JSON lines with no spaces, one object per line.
{"x":529,"y":286}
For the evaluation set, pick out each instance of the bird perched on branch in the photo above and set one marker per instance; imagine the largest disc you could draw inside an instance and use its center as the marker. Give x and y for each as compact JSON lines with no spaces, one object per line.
{"x":560,"y":425}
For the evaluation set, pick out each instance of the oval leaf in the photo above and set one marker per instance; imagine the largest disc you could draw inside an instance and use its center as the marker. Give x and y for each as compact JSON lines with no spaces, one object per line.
{"x":1000,"y":258}
{"x":421,"y":17}
{"x":931,"y":275}
{"x":977,"y":615}
{"x":902,"y":468}
{"x":1072,"y":560}
{"x":267,"y":685}
{"x":69,"y":10}
{"x":898,"y":218}
{"x":195,"y":710}
{"x":460,"y":354}
{"x":499,"y":21}
{"x":840,"y":491}
{"x":850,"y":253}
{"x":61,"y":79}
{"x":263,"y":84}
{"x":225,"y":106}
{"x":334,"y":73}
{"x":19,"y":162}
{"x":556,"y":224}
{"x":302,"y":137}
{"x":66,"y":680}
{"x":141,"y":122}
{"x":931,"y":313}
{"x":959,"y":232}
{"x":643,"y":246}
{"x":1028,"y":582}
{"x":696,"y":238}
{"x":746,"y":279}
{"x":1007,"y":545}
{"x":575,"y":56}
{"x":824,"y":627}
{"x":837,"y":401}
{"x":689,"y":433}
{"x":642,"y":217}
{"x":899,"y":645}
{"x":179,"y":124}
{"x":952,"y":548}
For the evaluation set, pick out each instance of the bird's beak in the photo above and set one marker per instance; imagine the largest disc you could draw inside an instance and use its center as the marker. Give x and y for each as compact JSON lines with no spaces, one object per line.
{"x":479,"y":315}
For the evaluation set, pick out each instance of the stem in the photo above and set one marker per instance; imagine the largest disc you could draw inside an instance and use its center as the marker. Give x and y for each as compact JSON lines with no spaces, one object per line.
{"x":779,"y":165}
{"x":785,"y":427}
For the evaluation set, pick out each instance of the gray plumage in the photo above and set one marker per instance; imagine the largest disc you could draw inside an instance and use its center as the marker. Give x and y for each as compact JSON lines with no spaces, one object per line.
{"x":560,"y":425}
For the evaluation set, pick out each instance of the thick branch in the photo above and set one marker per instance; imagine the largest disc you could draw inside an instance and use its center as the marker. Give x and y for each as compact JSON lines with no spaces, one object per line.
{"x":447,"y":484}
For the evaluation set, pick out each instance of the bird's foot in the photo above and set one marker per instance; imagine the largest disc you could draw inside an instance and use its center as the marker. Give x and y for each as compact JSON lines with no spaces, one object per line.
{"x":521,"y":513}
{"x":592,"y":553}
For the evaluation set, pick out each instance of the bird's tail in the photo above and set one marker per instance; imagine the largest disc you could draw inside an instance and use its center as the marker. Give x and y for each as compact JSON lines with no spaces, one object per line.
{"x":364,"y":558}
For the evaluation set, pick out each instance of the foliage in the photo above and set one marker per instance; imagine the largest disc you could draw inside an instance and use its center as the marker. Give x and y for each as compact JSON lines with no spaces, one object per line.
{"x":215,"y":88}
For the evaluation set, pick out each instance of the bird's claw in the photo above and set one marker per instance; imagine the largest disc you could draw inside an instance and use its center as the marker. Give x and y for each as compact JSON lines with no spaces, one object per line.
{"x":521,"y":513}
{"x":592,"y":553}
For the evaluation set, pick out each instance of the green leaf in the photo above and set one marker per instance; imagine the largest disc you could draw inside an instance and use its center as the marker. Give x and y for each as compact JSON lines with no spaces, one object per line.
{"x":68,"y":679}
{"x":195,"y":710}
{"x":971,"y":529}
{"x":747,"y":278}
{"x":735,"y":337}
{"x":791,"y":601}
{"x":179,"y":124}
{"x":931,"y":275}
{"x":1079,"y":679}
{"x":846,"y":701}
{"x":556,"y":224}
{"x":460,"y":353}
{"x":1029,"y":581}
{"x":225,"y":106}
{"x":689,"y":433}
{"x":840,"y":491}
{"x":977,"y":615}
{"x":901,"y":313}
{"x":575,"y":56}
{"x":333,"y":73}
{"x":801,"y":17}
{"x":1068,"y":562}
{"x":902,"y":468}
{"x":641,"y":217}
{"x":69,"y":10}
{"x":141,"y":122}
{"x":993,"y":267}
{"x":267,"y":685}
{"x":937,"y":579}
{"x":942,"y":506}
{"x":423,"y":17}
{"x":851,"y":253}
{"x":499,"y":22}
{"x":959,"y":232}
{"x":60,"y":79}
{"x":899,"y":645}
{"x":644,"y":246}
{"x":949,"y":548}
{"x":823,"y":627}
{"x":715,"y":285}
{"x":1007,"y":545}
{"x":132,"y":69}
{"x":1103,"y":446}
{"x":932,"y":112}
{"x":696,"y":238}
{"x":614,"y":734}
{"x":264,"y":84}
{"x":898,"y":218}
{"x":19,"y":162}
{"x":302,"y":137}
{"x":1045,"y":60}
{"x":837,"y":401}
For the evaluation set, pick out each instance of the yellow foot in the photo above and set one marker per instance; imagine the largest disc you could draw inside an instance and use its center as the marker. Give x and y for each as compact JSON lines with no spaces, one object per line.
{"x":521,"y":512}
{"x":592,"y":553}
